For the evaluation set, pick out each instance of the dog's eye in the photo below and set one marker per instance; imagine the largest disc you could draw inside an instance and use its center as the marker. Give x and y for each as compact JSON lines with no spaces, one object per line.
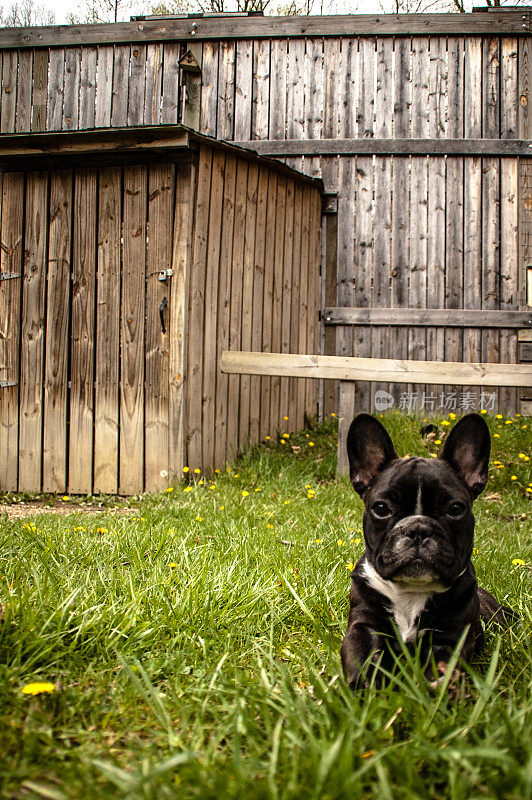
{"x":456,"y":509}
{"x":380,"y":510}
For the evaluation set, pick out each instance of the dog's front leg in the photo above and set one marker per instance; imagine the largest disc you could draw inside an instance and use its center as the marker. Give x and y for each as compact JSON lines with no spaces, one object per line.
{"x":360,"y":642}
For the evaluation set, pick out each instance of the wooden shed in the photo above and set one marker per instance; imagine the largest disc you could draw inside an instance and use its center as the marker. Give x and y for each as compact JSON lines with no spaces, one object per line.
{"x":130,"y":258}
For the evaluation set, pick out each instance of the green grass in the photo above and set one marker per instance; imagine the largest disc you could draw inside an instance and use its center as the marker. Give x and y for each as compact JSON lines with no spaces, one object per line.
{"x":195,"y":646}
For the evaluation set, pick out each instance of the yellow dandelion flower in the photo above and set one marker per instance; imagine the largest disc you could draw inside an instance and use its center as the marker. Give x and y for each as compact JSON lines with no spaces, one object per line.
{"x":513,"y":477}
{"x":257,"y":489}
{"x":445,"y":422}
{"x":521,"y":455}
{"x":222,"y":508}
{"x":318,"y":541}
{"x":518,"y":562}
{"x":357,"y":541}
{"x":437,"y":441}
{"x":172,"y":565}
{"x":212,"y":486}
{"x":508,"y":422}
{"x":187,"y":489}
{"x":333,"y":414}
{"x":267,"y":438}
{"x":244,"y":493}
{"x":65,"y":497}
{"x":350,"y":566}
{"x":496,"y":436}
{"x":101,"y":530}
{"x":217,"y":471}
{"x":199,"y":519}
{"x":452,"y":415}
{"x":307,"y":435}
{"x":310,"y":495}
{"x":434,"y":455}
{"x":268,"y":525}
{"x":186,"y":469}
{"x":483,"y":411}
{"x":29,"y":526}
{"x":236,"y":475}
{"x":44,"y":687}
{"x":527,"y":458}
{"x":528,"y":489}
{"x":498,"y":416}
{"x":285,"y":419}
{"x":169,"y":489}
{"x":197,"y":471}
{"x":286,"y":435}
{"x":311,"y":444}
{"x":283,"y":441}
{"x":340,"y":542}
{"x":475,"y":551}
{"x":523,"y":426}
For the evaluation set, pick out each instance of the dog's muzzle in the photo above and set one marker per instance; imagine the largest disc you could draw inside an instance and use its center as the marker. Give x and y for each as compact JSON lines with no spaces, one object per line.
{"x":418,"y":546}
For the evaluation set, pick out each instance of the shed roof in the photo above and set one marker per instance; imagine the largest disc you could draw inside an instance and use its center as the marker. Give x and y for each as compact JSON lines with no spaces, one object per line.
{"x":105,"y":145}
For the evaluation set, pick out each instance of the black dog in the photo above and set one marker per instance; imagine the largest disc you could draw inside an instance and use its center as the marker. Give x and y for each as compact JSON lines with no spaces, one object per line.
{"x":415,"y":577}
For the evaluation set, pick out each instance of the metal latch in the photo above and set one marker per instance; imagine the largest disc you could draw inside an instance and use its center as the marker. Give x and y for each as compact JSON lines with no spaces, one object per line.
{"x":7,"y":276}
{"x":7,"y":384}
{"x":164,"y":274}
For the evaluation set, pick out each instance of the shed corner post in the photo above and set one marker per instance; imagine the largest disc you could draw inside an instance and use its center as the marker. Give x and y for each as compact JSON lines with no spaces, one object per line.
{"x":329,"y":258}
{"x":185,"y":189}
{"x":190,"y":67}
{"x":346,"y":406}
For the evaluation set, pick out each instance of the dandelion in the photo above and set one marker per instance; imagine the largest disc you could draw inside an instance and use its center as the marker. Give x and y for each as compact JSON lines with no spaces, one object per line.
{"x":267,"y":438}
{"x":445,"y":422}
{"x":340,"y":542}
{"x":244,"y":493}
{"x":307,"y":435}
{"x":513,"y":477}
{"x":498,"y":416}
{"x":65,"y":498}
{"x":269,"y":526}
{"x":29,"y":526}
{"x":222,"y":508}
{"x":518,"y":562}
{"x":523,"y":426}
{"x":527,"y":458}
{"x":333,"y":414}
{"x":318,"y":541}
{"x":311,"y":444}
{"x":172,"y":565}
{"x":357,"y":541}
{"x":217,"y":471}
{"x":508,"y":422}
{"x":496,"y":436}
{"x":38,"y":688}
{"x":285,"y":419}
{"x":475,"y":551}
{"x":257,"y":488}
{"x":452,"y":415}
{"x":212,"y":486}
{"x":286,"y":435}
{"x":169,"y":489}
{"x":434,"y":455}
{"x":80,"y":528}
{"x":186,"y":469}
{"x":197,"y":471}
{"x":283,"y":441}
{"x":236,"y":475}
{"x":350,"y":566}
{"x":102,"y":530}
{"x":437,"y":441}
{"x":187,"y":489}
{"x":483,"y":411}
{"x":199,"y":519}
{"x":310,"y":495}
{"x":528,"y":489}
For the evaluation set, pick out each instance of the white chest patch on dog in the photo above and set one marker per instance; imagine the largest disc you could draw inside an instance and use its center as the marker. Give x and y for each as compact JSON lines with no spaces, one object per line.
{"x":406,"y":602}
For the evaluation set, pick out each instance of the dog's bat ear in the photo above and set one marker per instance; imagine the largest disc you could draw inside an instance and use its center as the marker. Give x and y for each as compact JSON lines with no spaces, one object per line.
{"x":467,"y":451}
{"x":369,"y":449}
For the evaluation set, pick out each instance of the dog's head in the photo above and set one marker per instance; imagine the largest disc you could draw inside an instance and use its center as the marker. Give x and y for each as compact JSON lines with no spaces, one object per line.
{"x":418,"y":523}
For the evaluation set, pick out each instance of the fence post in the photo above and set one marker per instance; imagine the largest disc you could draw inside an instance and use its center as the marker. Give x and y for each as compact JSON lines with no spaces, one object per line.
{"x":329,"y":232}
{"x":346,"y":410}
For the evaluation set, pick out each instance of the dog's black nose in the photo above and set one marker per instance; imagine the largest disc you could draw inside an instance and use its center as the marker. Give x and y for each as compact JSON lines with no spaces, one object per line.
{"x":418,"y":532}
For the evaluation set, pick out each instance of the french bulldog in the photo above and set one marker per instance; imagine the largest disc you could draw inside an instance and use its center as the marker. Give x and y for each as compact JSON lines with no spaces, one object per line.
{"x":415,"y":579}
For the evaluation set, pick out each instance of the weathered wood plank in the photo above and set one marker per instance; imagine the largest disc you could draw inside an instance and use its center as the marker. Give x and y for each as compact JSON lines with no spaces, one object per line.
{"x":304,"y":310}
{"x":295,"y":300}
{"x":190,"y":90}
{"x":364,"y":266}
{"x":346,"y":412}
{"x":212,"y":272}
{"x":133,"y":307}
{"x":161,"y":190}
{"x":226,"y":91}
{"x":24,"y":91}
{"x":181,"y":264}
{"x":33,"y":333}
{"x":260,"y":90}
{"x":104,"y":87}
{"x":365,"y":106}
{"x":314,"y":295}
{"x":196,"y":306}
{"x":57,"y":333}
{"x":40,"y":90}
{"x":106,"y":401}
{"x":136,"y":85}
{"x":87,"y":87}
{"x":120,"y":82}
{"x":170,"y":90}
{"x":509,"y":276}
{"x":71,"y":89}
{"x":209,"y":88}
{"x":11,"y":242}
{"x":243,"y":89}
{"x":258,"y":299}
{"x":286,"y":299}
{"x":8,"y":97}
{"x":278,"y":58}
{"x":269,"y":262}
{"x":277,"y":314}
{"x":56,"y":79}
{"x":355,"y":369}
{"x":235,"y":299}
{"x":82,"y":337}
{"x":224,"y":308}
{"x":443,"y":317}
{"x":493,"y":23}
{"x":153,"y":84}
{"x":247,"y":301}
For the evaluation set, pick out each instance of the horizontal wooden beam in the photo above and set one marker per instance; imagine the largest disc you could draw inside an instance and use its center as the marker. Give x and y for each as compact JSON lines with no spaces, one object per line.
{"x":390,"y":147}
{"x":376,"y":369}
{"x":193,"y":28}
{"x":438,"y":317}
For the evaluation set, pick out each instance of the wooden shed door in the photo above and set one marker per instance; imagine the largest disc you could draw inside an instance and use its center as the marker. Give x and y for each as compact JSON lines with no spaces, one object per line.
{"x":81,"y":333}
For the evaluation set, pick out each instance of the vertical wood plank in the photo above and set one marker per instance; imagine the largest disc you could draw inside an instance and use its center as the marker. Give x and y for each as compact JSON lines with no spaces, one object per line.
{"x":235,"y":324}
{"x":55,"y":89}
{"x":196,"y":309}
{"x":8,"y":98}
{"x":314,"y":295}
{"x":83,"y":331}
{"x":24,"y":91}
{"x":260,"y":89}
{"x":11,"y":240}
{"x":212,"y":268}
{"x":153,"y":85}
{"x":226,"y":90}
{"x":247,"y":301}
{"x":314,"y":88}
{"x":348,"y":86}
{"x":33,"y":332}
{"x":295,"y":424}
{"x":209,"y":88}
{"x":106,"y":400}
{"x":243,"y":89}
{"x":258,"y":299}
{"x":40,"y":90}
{"x":179,"y":320}
{"x":286,"y":300}
{"x":133,"y":308}
{"x":278,"y":58}
{"x":137,"y":85}
{"x":304,"y":311}
{"x":120,"y":82}
{"x":269,"y":265}
{"x":169,"y":111}
{"x":366,"y":95}
{"x":346,"y":411}
{"x":87,"y":87}
{"x":57,"y":333}
{"x":71,"y":88}
{"x":277,"y":309}
{"x":224,"y":308}
{"x":363,"y":266}
{"x":161,"y":187}
{"x":104,"y":87}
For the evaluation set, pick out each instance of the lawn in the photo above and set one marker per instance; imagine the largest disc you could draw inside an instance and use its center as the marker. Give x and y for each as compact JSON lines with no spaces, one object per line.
{"x":193,"y":645}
